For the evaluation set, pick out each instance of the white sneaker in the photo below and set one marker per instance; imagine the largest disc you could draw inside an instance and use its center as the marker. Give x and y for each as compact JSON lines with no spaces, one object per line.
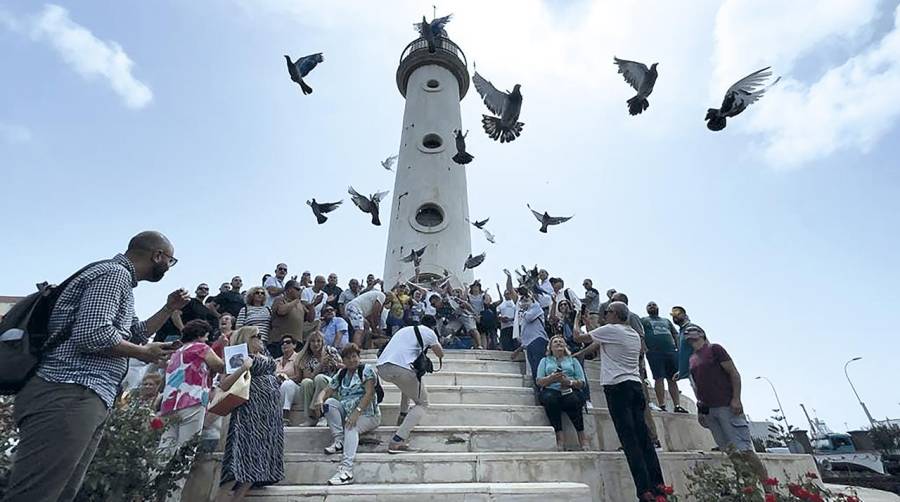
{"x":654,"y":407}
{"x":343,"y":476}
{"x":335,"y":447}
{"x":589,"y":405}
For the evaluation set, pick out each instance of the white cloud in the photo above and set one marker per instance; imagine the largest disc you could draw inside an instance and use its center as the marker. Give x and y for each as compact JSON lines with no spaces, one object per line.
{"x":850,"y":106}
{"x":12,"y":133}
{"x":88,"y":55}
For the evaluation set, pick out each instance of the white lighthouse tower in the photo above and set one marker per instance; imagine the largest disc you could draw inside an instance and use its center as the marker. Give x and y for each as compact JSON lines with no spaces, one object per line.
{"x":430,"y":200}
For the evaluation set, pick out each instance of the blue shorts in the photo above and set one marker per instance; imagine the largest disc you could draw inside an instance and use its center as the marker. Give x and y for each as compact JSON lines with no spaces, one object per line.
{"x":663,"y":365}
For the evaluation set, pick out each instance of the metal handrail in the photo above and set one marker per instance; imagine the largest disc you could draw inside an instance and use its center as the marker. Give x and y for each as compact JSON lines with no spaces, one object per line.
{"x":442,"y":44}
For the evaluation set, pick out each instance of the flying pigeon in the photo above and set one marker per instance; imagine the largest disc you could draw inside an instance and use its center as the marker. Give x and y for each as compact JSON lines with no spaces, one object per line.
{"x":429,"y":31}
{"x":319,"y":209}
{"x":489,"y":236}
{"x":479,"y":224}
{"x":642,"y":79}
{"x":739,"y":96}
{"x":302,"y":67}
{"x":507,"y":105}
{"x":462,"y":156}
{"x":388,"y":162}
{"x":547,"y":220}
{"x":414,"y":256}
{"x":368,"y":205}
{"x":473,"y":261}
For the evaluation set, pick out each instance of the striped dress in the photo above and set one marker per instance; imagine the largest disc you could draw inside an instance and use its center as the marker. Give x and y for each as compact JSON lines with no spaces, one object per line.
{"x":254,"y":449}
{"x":259,"y":316}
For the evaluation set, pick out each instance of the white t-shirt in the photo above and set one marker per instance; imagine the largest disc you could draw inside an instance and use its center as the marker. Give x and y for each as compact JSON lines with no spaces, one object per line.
{"x":272,"y":282}
{"x":507,"y":309}
{"x":366,"y":301}
{"x":545,"y":299}
{"x":403,"y":348}
{"x":308,"y":296}
{"x":620,"y":347}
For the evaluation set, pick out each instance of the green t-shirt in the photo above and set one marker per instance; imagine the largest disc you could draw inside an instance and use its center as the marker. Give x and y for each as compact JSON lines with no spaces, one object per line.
{"x":658,"y":334}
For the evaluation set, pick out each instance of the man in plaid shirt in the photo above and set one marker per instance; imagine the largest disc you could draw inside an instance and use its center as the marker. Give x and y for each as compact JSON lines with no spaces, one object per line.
{"x":61,"y":411}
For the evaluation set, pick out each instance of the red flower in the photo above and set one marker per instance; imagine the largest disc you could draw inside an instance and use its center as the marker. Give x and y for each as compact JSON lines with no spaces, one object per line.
{"x":748,"y":489}
{"x":661,"y":498}
{"x":812,"y":475}
{"x":771,"y":482}
{"x":795,"y":489}
{"x":851,"y":498}
{"x":157,"y":423}
{"x":815,"y":497}
{"x":668,"y":490}
{"x":770,"y":497}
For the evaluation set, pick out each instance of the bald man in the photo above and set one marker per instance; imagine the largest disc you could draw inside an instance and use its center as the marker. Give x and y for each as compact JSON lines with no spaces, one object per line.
{"x":60,"y":412}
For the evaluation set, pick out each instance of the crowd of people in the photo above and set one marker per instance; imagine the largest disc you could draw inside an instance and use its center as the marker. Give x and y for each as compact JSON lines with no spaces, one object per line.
{"x":304,"y":339}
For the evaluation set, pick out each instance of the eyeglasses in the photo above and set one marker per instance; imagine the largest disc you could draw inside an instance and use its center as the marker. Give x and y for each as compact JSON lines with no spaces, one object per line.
{"x":172,"y":259}
{"x":279,"y":269}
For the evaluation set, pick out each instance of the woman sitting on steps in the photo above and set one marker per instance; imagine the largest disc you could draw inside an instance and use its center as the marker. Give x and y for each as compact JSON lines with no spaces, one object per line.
{"x":560,"y":379}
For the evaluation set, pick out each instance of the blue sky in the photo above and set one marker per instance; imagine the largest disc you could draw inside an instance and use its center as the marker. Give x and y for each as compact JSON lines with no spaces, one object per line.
{"x":777,"y":234}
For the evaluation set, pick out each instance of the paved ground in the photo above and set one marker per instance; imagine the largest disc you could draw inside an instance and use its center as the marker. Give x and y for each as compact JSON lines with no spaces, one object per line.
{"x":866,"y":494}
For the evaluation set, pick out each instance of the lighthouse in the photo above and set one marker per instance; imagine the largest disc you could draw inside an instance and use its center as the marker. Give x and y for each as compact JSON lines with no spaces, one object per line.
{"x":430,"y":205}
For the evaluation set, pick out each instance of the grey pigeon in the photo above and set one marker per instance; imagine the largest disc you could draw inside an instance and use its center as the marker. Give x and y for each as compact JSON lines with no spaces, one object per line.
{"x":473,"y":261}
{"x":430,"y":31}
{"x":388,"y":162}
{"x":302,"y":67}
{"x":489,"y":236}
{"x":547,"y":220}
{"x":368,"y":204}
{"x":319,"y":209}
{"x":479,"y":224}
{"x":462,"y":156}
{"x":739,"y":96}
{"x":414,"y":256}
{"x":506,"y":105}
{"x":641,"y":78}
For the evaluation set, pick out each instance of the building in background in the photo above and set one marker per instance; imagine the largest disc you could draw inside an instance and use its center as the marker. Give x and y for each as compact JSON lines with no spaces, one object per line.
{"x":6,"y":303}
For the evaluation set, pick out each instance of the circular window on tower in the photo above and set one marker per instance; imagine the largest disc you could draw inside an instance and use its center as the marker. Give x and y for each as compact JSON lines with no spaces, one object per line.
{"x":432,"y":85}
{"x":429,"y":218}
{"x":432,"y":143}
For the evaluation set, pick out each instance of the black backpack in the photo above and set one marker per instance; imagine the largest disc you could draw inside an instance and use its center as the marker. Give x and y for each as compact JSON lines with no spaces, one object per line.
{"x":24,"y":334}
{"x":422,"y":364}
{"x":379,"y":391}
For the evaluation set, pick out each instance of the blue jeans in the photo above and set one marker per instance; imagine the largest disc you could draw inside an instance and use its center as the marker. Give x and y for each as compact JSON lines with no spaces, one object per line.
{"x":534,"y":352}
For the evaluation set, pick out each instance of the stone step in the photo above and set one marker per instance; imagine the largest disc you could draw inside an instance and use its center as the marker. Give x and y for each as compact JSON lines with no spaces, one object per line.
{"x":476,"y":379}
{"x":472,"y":414}
{"x":446,"y":492}
{"x":433,"y":439}
{"x":474,"y":394}
{"x":606,"y":473}
{"x":483,"y":355}
{"x":474,"y":366}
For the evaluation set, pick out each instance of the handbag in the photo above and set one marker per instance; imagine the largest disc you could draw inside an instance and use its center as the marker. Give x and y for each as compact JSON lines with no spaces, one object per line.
{"x":225,"y":401}
{"x":422,"y":364}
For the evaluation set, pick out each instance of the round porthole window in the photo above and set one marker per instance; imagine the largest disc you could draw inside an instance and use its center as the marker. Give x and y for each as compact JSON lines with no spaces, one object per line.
{"x":432,"y":84}
{"x":429,"y":216}
{"x":432,"y":141}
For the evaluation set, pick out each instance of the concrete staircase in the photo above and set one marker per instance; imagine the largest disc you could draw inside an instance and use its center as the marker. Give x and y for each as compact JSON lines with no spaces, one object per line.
{"x":484,"y":439}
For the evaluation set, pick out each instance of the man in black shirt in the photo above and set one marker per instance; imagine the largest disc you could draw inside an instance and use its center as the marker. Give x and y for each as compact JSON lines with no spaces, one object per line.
{"x":231,"y":301}
{"x":333,"y":291}
{"x":197,"y":309}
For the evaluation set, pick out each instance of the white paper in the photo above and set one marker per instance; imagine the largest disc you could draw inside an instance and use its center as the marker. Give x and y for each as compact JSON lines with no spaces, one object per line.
{"x":234,"y":357}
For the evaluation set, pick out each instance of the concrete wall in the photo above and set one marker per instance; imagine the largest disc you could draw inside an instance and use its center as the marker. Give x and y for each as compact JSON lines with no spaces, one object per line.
{"x":429,"y":176}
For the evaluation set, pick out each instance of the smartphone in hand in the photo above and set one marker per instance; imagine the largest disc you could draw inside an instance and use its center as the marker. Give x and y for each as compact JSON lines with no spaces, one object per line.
{"x":174,"y":345}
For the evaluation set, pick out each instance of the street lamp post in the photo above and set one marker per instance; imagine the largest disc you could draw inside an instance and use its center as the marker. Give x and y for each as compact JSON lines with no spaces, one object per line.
{"x":778,"y":400}
{"x":861,"y":403}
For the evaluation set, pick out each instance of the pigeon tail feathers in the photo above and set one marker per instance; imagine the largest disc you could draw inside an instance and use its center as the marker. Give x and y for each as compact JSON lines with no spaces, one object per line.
{"x":497,"y":131}
{"x":463,"y":158}
{"x":321,"y":218}
{"x":375,"y":220}
{"x":637,"y":104}
{"x":305,"y":87}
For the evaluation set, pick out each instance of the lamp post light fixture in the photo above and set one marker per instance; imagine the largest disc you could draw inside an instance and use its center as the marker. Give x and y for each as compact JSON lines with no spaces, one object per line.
{"x":778,"y":400}
{"x":861,"y":403}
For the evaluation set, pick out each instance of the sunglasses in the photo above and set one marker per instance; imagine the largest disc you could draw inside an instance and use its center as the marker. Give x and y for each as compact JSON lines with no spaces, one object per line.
{"x":281,"y":270}
{"x":260,"y":293}
{"x":203,"y":289}
{"x":287,"y":342}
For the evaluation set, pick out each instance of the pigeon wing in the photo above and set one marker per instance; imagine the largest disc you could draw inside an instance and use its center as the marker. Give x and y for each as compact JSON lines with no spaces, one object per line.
{"x":751,"y":83}
{"x":307,"y":63}
{"x":437,"y":25}
{"x":633,"y":72}
{"x":327,"y":207}
{"x":493,"y":99}
{"x":556,"y":220}
{"x":389,"y":162}
{"x":409,"y":258}
{"x":358,"y":199}
{"x":539,"y":216}
{"x":379,"y":196}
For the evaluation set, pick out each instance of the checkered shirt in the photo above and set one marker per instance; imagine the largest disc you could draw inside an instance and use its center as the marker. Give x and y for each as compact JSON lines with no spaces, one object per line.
{"x":97,"y":308}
